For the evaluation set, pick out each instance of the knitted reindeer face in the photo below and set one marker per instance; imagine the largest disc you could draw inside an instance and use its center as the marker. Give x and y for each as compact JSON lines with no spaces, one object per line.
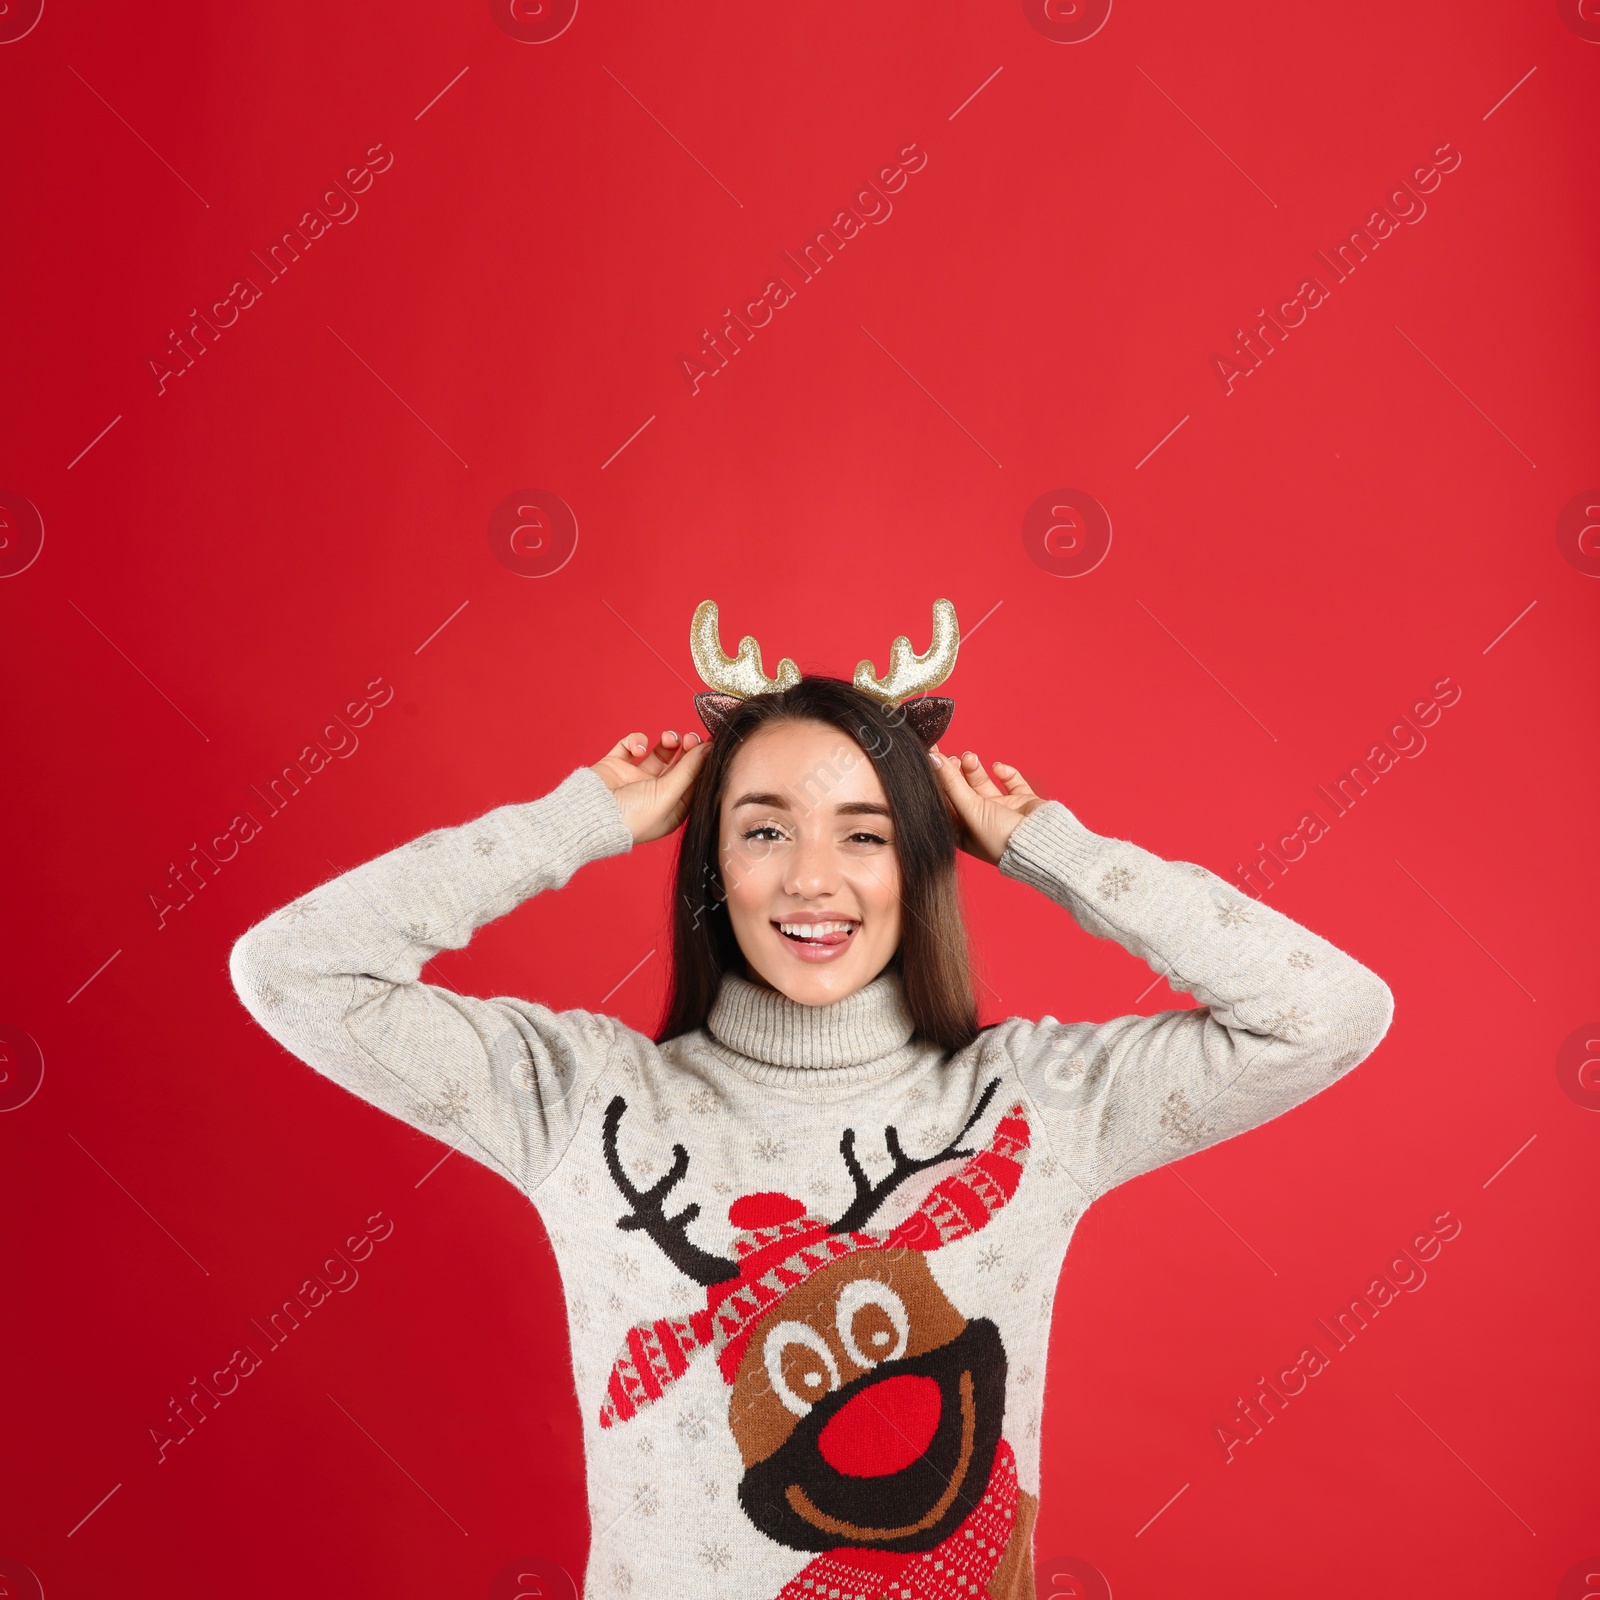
{"x":866,"y":1408}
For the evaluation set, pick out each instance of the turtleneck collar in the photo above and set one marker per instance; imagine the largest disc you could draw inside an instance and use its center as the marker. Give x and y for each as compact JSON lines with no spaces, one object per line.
{"x":769,"y":1028}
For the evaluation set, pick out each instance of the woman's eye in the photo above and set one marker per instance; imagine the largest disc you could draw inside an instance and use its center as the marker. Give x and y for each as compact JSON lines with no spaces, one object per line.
{"x":769,"y":832}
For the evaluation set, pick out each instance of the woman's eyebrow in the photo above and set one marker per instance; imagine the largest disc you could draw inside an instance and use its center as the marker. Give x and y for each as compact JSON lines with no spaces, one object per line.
{"x":773,"y":802}
{"x":846,"y":808}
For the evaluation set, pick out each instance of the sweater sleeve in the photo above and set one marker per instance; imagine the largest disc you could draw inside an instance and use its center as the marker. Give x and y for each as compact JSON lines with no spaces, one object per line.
{"x":334,"y":977}
{"x":1283,"y":1013}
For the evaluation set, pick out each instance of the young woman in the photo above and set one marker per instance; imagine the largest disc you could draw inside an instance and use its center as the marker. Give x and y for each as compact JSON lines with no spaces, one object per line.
{"x":809,"y":1234}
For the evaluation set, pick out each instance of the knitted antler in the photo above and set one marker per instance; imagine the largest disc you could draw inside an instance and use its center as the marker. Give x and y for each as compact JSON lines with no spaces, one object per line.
{"x":669,"y":1234}
{"x":870,"y":1196}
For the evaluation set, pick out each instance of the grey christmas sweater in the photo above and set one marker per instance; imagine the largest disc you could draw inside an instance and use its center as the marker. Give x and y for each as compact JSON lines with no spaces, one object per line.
{"x":809,"y":1260}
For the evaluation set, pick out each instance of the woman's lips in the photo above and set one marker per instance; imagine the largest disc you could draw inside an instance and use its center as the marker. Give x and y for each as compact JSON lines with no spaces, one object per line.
{"x":827,"y":947}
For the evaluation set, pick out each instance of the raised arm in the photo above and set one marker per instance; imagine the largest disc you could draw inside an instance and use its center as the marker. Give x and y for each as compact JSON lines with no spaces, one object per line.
{"x":1283,"y":1013}
{"x":335,"y":978}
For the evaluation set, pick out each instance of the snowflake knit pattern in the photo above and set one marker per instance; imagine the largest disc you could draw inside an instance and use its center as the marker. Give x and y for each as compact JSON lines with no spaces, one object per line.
{"x":801,"y":1371}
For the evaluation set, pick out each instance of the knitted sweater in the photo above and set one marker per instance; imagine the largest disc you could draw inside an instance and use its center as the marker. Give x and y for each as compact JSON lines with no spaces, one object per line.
{"x":809,"y":1259}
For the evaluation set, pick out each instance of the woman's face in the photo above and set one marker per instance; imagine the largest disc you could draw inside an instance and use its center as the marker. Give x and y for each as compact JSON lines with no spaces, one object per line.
{"x":806,"y":843}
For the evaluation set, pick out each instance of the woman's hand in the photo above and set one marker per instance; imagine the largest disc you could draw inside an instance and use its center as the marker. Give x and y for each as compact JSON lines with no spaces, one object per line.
{"x":984,"y":813}
{"x":652,"y":787}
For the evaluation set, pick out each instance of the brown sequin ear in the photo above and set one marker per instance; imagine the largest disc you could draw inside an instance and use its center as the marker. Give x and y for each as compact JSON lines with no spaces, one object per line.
{"x":715,"y":709}
{"x":929,"y":717}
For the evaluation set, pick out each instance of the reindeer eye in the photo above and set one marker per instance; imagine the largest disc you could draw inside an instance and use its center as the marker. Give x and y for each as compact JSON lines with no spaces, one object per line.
{"x":800,"y":1366}
{"x":872,"y":1322}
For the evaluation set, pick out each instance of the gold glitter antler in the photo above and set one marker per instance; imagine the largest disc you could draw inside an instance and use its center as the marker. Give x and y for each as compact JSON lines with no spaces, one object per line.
{"x":741,"y":675}
{"x":909,"y":673}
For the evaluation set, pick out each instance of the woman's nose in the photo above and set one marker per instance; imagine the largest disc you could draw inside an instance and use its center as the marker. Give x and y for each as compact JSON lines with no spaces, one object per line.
{"x":813,"y":869}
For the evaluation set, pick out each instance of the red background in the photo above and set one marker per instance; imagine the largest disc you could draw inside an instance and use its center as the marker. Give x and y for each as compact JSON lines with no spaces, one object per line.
{"x":1294,"y":566}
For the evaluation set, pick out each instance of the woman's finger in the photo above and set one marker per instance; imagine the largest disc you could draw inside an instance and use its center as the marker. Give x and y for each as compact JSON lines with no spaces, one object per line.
{"x":679,"y":778}
{"x":956,"y":788}
{"x":660,"y":757}
{"x":964,"y":806}
{"x":1013,"y":780}
{"x":982,"y":784}
{"x":629,"y":747}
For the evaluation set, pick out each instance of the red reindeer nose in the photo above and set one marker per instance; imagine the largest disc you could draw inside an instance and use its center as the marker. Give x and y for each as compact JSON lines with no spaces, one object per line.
{"x":883,"y":1429}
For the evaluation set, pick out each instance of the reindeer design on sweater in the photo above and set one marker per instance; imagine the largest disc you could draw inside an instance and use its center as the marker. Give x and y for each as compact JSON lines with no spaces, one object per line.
{"x":867,"y":1409}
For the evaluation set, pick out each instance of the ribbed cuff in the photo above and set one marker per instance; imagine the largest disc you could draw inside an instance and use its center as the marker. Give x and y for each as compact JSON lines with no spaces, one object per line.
{"x":579,"y":821}
{"x":1050,"y":847}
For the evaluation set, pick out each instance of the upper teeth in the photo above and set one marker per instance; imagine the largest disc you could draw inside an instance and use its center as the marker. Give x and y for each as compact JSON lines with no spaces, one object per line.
{"x":814,"y":930}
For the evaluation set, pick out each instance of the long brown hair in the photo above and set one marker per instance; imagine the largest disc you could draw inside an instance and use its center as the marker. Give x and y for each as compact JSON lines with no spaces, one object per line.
{"x":932,"y":957}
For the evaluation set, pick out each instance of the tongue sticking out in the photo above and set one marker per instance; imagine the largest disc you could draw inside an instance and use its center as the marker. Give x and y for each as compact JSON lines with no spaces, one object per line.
{"x":824,"y":939}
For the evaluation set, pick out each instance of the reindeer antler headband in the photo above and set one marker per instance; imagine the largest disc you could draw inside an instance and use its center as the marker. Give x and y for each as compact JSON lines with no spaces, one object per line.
{"x":735,"y":678}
